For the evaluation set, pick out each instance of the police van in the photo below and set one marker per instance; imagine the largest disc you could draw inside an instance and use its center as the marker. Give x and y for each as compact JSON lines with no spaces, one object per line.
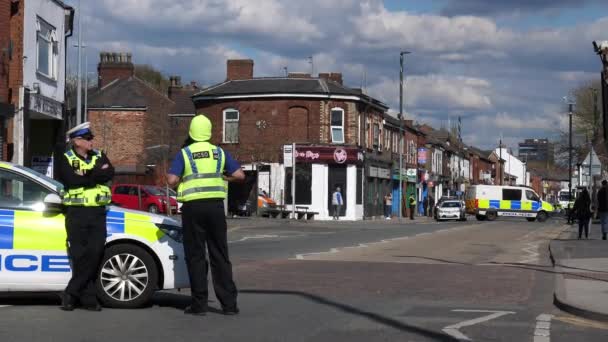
{"x":490,"y":201}
{"x":143,"y":253}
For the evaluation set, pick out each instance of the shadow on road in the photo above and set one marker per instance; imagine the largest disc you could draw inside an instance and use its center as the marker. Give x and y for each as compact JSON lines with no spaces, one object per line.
{"x":435,"y":336}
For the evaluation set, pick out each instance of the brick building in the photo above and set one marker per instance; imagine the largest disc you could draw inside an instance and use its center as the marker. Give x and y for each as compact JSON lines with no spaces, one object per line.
{"x":337,"y":131}
{"x":33,"y":41}
{"x":131,"y":120}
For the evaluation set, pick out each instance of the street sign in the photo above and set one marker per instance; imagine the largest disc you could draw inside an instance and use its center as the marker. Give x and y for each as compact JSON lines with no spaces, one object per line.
{"x":288,"y":155}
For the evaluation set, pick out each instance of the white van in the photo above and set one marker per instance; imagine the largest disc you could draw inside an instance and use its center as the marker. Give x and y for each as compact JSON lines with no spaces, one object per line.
{"x":490,"y":201}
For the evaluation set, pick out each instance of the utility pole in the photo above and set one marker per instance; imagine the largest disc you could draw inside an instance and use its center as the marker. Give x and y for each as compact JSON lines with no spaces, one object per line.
{"x":500,"y":161}
{"x":79,"y":83}
{"x":570,"y":104}
{"x":401,"y":145}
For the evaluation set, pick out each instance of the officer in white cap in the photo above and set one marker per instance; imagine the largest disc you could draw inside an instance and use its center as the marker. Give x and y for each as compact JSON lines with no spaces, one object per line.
{"x":84,"y":173}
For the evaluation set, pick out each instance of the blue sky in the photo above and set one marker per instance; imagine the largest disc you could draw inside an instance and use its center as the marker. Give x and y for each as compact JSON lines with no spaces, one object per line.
{"x":503,"y":66}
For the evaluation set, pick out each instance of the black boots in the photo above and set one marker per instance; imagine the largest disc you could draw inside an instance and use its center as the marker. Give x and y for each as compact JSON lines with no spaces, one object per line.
{"x":68,"y":302}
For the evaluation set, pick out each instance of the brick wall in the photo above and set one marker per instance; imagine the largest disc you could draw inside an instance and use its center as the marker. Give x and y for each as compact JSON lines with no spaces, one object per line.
{"x":15,"y":69}
{"x":239,"y":69}
{"x":120,"y":134}
{"x":266,"y":125}
{"x":5,"y":16}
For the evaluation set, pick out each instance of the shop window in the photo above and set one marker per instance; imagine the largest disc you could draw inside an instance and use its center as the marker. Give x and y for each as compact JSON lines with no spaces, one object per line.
{"x":303,"y":184}
{"x":231,"y":126}
{"x":47,"y":49}
{"x":359,"y":185}
{"x":337,"y":125}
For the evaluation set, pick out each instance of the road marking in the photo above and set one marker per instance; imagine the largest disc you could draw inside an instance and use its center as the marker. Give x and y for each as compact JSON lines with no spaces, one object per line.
{"x":255,"y":237}
{"x":542,"y":331}
{"x":532,"y":252}
{"x":453,"y":330}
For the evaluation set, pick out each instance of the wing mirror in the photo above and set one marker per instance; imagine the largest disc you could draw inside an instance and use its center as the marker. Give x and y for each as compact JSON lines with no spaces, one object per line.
{"x":52,"y":202}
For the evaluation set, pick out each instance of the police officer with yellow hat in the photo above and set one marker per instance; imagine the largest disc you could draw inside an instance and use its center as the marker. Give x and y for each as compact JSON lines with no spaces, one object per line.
{"x":84,"y":173}
{"x":201,"y":170}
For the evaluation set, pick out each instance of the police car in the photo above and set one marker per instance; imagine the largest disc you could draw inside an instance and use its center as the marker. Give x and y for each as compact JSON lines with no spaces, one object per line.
{"x":144,"y":251}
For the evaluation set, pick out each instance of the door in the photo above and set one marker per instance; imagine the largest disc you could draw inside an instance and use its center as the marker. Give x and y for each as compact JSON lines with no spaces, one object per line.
{"x":121,"y":196}
{"x":33,"y":253}
{"x":337,"y":178}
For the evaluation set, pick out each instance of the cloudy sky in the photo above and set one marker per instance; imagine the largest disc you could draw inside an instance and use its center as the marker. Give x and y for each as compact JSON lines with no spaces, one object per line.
{"x":503,"y":66}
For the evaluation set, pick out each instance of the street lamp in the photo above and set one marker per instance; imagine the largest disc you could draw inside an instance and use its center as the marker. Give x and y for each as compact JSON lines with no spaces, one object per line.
{"x":401,"y":146}
{"x":570,"y":104}
{"x":601,"y":49}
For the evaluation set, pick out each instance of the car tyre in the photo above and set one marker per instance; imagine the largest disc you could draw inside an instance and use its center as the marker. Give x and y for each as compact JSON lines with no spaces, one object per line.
{"x":542,"y":216}
{"x":491,"y":215}
{"x":153,"y":209}
{"x":127,"y":278}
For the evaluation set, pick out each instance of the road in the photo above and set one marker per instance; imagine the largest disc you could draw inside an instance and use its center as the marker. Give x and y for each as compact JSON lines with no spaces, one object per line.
{"x":348,"y":281}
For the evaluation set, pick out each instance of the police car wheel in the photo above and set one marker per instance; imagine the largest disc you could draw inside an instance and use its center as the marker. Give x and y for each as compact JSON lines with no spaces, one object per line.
{"x":127,"y":278}
{"x":541,"y":216}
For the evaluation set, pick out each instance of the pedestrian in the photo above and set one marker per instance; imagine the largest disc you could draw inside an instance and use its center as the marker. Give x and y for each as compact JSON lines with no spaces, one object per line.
{"x":388,"y":205}
{"x":84,"y":173}
{"x":337,"y":202}
{"x":201,"y":170}
{"x":412,"y":200}
{"x":431,"y":205}
{"x":602,"y":207}
{"x":582,"y":211}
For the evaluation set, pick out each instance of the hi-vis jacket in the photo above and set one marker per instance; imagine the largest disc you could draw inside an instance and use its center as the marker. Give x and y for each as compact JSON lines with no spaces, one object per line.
{"x":202,"y":178}
{"x":98,"y":196}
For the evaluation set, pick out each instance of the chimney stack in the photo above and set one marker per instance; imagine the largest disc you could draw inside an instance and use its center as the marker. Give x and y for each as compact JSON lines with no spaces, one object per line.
{"x":332,"y":76}
{"x":114,"y":65}
{"x":239,"y":69}
{"x":175,"y":86}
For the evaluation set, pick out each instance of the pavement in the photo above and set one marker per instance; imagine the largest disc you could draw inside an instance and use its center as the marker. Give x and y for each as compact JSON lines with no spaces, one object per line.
{"x":581,"y":266}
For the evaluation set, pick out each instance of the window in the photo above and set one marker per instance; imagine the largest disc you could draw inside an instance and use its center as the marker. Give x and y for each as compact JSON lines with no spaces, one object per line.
{"x":337,"y":125}
{"x":47,"y":49}
{"x":231,"y":126}
{"x":531,"y":196}
{"x":511,"y":195}
{"x":18,"y":192}
{"x":451,"y":205}
{"x":303,"y":184}
{"x":121,"y":190}
{"x":376,"y":135}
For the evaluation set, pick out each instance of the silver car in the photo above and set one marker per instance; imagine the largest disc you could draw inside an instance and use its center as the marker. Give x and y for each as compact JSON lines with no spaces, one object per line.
{"x":450,"y":210}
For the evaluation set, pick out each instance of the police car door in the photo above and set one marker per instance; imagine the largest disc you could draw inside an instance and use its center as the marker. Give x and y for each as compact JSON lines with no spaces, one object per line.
{"x":33,"y":254}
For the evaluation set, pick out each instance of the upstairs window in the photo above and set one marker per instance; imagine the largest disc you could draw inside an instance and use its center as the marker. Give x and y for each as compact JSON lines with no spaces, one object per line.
{"x":231,"y":126}
{"x":337,"y":125}
{"x":376,"y":135}
{"x":47,"y":49}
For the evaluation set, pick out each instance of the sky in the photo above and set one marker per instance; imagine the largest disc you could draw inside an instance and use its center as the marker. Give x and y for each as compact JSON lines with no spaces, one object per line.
{"x":502,"y":66}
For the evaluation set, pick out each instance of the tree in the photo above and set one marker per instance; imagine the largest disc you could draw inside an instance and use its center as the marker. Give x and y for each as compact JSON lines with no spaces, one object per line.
{"x":153,"y":77}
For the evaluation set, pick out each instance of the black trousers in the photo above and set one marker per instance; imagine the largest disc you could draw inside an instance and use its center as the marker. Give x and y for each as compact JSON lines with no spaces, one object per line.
{"x":86,"y":232}
{"x":583,"y":225}
{"x":412,"y":211}
{"x":204,"y":225}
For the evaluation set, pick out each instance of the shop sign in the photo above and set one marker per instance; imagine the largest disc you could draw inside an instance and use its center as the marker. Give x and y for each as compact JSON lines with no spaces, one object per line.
{"x":328,"y":154}
{"x":43,"y":164}
{"x":411,"y":175}
{"x":45,"y":105}
{"x":373,"y":171}
{"x":384,"y":173}
{"x":422,"y":155}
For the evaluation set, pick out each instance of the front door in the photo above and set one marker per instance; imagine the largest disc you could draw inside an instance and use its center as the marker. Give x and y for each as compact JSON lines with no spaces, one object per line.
{"x":337,"y":178}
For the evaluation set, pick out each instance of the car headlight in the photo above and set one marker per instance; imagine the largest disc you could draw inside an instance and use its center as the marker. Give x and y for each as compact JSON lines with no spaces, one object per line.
{"x":174,"y":232}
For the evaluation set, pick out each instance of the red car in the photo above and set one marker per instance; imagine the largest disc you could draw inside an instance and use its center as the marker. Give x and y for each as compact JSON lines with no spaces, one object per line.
{"x":142,"y":197}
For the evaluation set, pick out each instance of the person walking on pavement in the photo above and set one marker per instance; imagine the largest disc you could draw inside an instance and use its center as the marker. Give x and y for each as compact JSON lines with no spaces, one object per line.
{"x":602,"y":207}
{"x":582,"y":210}
{"x":201,"y":170}
{"x":388,"y":205}
{"x":84,"y":173}
{"x":412,"y":200}
{"x":337,"y":202}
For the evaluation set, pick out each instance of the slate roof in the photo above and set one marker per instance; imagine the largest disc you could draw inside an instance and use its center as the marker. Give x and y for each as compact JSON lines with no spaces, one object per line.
{"x":122,"y":93}
{"x":183,"y":101}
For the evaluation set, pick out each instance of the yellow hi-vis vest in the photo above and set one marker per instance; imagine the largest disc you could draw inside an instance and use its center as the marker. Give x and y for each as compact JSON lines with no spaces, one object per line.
{"x":98,"y":196}
{"x":203,"y":168}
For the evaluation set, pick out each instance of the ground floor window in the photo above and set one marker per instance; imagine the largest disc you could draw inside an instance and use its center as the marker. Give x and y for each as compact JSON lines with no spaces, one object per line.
{"x":303,"y":184}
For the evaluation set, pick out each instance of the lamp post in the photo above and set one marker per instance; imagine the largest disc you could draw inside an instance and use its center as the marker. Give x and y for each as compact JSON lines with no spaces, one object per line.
{"x":570,"y":106}
{"x":601,"y":49}
{"x":401,"y":145}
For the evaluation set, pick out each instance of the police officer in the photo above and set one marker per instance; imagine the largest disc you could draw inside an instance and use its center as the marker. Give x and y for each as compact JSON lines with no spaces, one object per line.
{"x":203,"y":169}
{"x":84,"y":173}
{"x":412,"y":201}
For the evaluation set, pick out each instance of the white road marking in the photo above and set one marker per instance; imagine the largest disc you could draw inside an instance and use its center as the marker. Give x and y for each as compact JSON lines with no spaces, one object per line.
{"x":453,"y":331}
{"x":542,"y":331}
{"x":532,"y":253}
{"x":255,"y":237}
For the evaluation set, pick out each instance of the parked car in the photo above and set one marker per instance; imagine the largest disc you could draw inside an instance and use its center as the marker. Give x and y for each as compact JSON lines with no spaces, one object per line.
{"x":265,"y":204}
{"x":142,"y":197}
{"x":450,"y":210}
{"x":143,"y":252}
{"x":173,"y":194}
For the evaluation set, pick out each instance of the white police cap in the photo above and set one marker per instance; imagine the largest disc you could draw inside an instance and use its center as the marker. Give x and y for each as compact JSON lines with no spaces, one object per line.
{"x":82,"y":130}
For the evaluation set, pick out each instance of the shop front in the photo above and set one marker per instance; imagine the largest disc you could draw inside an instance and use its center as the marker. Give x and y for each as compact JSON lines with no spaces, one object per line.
{"x":42,"y":133}
{"x":319,"y":171}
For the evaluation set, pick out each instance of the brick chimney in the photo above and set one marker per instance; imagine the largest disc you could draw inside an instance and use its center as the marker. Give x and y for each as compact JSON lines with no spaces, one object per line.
{"x":332,"y":76}
{"x":298,"y":75}
{"x":175,"y":85}
{"x":114,"y":65}
{"x":239,"y":69}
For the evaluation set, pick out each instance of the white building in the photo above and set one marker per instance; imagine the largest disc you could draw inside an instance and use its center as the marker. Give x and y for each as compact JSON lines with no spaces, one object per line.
{"x":514,"y":167}
{"x":37,"y":125}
